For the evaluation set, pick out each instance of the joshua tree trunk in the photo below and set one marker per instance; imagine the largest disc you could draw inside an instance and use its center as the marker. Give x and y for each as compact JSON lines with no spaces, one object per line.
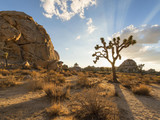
{"x":6,"y":62}
{"x":114,"y":73}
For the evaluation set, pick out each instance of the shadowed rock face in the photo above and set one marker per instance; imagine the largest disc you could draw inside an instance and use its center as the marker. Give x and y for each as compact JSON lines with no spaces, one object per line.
{"x":24,"y":39}
{"x":128,"y":65}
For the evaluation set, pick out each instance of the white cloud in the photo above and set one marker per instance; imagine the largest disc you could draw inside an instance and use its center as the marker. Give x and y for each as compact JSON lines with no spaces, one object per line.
{"x":65,"y":9}
{"x":89,"y":21}
{"x":144,"y":49}
{"x":145,"y":34}
{"x":78,"y":37}
{"x":147,"y":37}
{"x":109,"y":38}
{"x":91,"y":27}
{"x":66,"y":48}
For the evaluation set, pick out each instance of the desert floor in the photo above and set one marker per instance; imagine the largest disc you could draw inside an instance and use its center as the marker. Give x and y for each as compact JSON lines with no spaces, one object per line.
{"x":20,"y":103}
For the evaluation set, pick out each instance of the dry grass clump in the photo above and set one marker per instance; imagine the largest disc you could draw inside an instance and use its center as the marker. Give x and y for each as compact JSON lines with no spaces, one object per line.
{"x":129,"y":80}
{"x":108,"y":77}
{"x":15,"y":71}
{"x":9,"y":82}
{"x":37,"y":81}
{"x":56,"y":93}
{"x":26,"y":72}
{"x":127,"y":83}
{"x":158,"y":81}
{"x":73,"y":72}
{"x":4,"y":72}
{"x":90,"y":74}
{"x":147,"y":81}
{"x":90,"y":105}
{"x":56,"y":78}
{"x":141,"y":90}
{"x":67,"y":73}
{"x":36,"y":85}
{"x":83,"y":80}
{"x":56,"y":110}
{"x":60,"y":78}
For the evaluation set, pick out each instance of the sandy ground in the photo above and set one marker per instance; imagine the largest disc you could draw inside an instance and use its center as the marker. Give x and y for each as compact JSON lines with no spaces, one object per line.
{"x":136,"y":107}
{"x":18,"y":103}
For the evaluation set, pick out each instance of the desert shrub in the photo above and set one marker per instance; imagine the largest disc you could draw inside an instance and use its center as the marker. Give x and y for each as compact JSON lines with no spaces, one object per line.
{"x":60,"y":78}
{"x":125,"y":81}
{"x":89,"y":105}
{"x":90,"y":74}
{"x":36,"y":81}
{"x":67,"y":73}
{"x":4,"y":72}
{"x":73,"y":72}
{"x":129,"y":80}
{"x":37,"y":67}
{"x":158,"y":81}
{"x":15,"y":71}
{"x":147,"y":81}
{"x":36,"y":85}
{"x":52,"y":72}
{"x":26,"y":72}
{"x":56,"y":78}
{"x":141,"y":90}
{"x":55,"y":92}
{"x":54,"y":110}
{"x":8,"y":82}
{"x":127,"y":84}
{"x":97,"y":75}
{"x":83,"y":80}
{"x":108,"y":77}
{"x":35,"y":74}
{"x":1,"y":76}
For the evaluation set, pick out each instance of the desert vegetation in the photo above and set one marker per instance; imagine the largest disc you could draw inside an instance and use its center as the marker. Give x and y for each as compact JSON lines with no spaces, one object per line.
{"x":81,"y":96}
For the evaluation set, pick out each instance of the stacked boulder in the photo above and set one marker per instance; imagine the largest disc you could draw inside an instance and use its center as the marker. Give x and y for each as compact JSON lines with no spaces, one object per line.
{"x":129,"y":66}
{"x":25,"y":40}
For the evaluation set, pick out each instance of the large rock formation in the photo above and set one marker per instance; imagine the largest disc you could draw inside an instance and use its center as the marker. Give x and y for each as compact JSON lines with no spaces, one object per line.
{"x":128,"y":65}
{"x":24,"y":39}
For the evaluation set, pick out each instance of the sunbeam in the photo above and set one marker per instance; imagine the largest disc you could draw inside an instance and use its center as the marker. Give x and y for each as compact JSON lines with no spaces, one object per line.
{"x":122,"y":10}
{"x":152,"y":14}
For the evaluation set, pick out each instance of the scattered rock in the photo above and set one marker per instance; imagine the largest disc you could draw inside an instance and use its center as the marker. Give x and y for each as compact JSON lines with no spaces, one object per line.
{"x":76,"y":67}
{"x":26,"y":65}
{"x":55,"y":65}
{"x":27,"y":77}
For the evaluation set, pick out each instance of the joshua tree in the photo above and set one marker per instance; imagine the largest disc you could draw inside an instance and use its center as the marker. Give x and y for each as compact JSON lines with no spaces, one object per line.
{"x":116,"y":47}
{"x":6,"y":58}
{"x":140,"y":68}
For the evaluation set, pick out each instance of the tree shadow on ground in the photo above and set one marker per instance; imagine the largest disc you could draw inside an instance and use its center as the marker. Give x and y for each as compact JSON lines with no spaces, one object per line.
{"x":150,"y":103}
{"x":24,"y":110}
{"x":14,"y":91}
{"x":125,"y":112}
{"x":155,"y":86}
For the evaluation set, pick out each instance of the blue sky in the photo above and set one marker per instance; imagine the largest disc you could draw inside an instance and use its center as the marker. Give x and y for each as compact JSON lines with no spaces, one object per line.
{"x":75,"y":27}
